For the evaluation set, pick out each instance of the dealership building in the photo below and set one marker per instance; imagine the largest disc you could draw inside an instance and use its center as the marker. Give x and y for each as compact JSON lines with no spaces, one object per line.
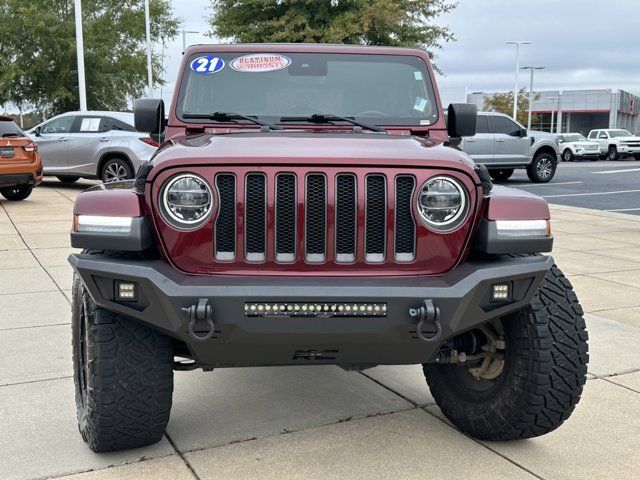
{"x":579,"y":110}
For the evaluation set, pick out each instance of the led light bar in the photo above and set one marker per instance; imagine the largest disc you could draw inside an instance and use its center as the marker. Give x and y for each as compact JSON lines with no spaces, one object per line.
{"x":102,"y":224}
{"x":523,"y":228}
{"x":320,"y":309}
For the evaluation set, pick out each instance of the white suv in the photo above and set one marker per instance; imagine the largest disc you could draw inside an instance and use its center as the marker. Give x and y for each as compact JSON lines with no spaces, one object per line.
{"x":102,"y":145}
{"x":616,"y":143}
{"x":574,"y":146}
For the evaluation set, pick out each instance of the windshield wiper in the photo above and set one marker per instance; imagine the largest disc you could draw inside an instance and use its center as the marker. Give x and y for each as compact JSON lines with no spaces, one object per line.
{"x":226,"y":116}
{"x":328,"y":118}
{"x":10,"y":134}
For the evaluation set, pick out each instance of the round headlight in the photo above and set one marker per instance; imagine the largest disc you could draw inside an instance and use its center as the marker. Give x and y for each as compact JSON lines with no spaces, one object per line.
{"x":187,"y":201}
{"x":442,"y":203}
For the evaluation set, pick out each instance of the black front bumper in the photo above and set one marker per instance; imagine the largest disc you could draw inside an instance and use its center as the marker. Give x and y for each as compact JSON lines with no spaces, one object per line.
{"x":239,"y":339}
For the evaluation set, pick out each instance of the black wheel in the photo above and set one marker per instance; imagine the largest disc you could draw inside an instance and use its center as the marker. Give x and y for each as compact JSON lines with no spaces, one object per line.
{"x":16,"y":194}
{"x":68,"y":179}
{"x":613,"y":154}
{"x":637,"y":156}
{"x":116,"y":170}
{"x":123,"y":374}
{"x":567,"y":155}
{"x":530,"y":372}
{"x":502,"y":174}
{"x":542,"y":168}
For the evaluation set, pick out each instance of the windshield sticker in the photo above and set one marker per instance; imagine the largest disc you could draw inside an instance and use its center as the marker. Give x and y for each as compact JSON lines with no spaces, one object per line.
{"x":260,"y":62}
{"x":418,"y":75}
{"x":420,"y":104}
{"x":207,"y":65}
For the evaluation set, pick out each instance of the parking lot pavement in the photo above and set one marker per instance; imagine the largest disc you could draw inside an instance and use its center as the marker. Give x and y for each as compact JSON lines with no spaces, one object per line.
{"x":604,"y":185}
{"x":308,"y":421}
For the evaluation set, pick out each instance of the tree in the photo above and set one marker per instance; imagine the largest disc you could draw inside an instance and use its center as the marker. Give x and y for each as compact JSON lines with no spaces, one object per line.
{"x":39,"y":48}
{"x":368,"y":22}
{"x":503,"y":103}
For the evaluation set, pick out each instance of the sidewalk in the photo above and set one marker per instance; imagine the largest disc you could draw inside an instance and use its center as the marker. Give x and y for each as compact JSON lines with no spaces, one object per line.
{"x":308,"y":422}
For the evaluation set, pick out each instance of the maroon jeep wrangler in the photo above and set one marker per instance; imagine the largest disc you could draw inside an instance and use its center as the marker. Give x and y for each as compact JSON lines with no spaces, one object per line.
{"x":309,"y":206}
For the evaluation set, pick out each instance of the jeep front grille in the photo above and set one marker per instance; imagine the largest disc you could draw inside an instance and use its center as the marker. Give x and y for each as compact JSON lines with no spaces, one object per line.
{"x":346,"y":218}
{"x":286,"y":218}
{"x":225,"y":226}
{"x":255,"y":214}
{"x":315,"y":217}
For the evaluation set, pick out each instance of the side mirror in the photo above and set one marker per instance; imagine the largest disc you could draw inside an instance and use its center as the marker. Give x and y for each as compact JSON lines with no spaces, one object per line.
{"x":461,"y":120}
{"x":38,"y":131}
{"x":148,"y":116}
{"x":523,"y":132}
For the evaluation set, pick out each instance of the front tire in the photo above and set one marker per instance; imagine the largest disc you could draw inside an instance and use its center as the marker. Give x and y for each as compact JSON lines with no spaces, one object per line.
{"x":123,"y":374}
{"x":542,"y":376}
{"x":15,"y":194}
{"x":612,"y":154}
{"x":116,"y":170}
{"x":542,"y":168}
{"x":502,"y":174}
{"x":567,"y":155}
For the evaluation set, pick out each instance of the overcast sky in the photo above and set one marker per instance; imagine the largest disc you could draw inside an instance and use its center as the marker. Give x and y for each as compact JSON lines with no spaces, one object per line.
{"x":582,"y":44}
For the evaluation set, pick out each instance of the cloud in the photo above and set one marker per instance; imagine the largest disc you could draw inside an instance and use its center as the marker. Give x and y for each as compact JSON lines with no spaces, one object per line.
{"x":582,"y":44}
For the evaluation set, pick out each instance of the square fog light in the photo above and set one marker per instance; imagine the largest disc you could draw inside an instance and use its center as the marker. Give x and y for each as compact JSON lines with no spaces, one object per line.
{"x":126,"y":291}
{"x":500,"y":292}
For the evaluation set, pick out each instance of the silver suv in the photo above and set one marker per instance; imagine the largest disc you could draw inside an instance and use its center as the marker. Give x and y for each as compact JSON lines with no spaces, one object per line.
{"x":102,"y":145}
{"x":504,"y":145}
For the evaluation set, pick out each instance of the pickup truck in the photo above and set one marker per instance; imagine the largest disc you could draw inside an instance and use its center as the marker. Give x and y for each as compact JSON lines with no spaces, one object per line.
{"x":502,"y":145}
{"x":615,"y":143}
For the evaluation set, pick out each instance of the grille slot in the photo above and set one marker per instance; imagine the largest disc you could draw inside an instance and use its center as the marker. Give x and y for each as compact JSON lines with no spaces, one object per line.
{"x":255,"y":217}
{"x":405,"y":227}
{"x":225,"y":236}
{"x":286,"y":218}
{"x":346,"y":218}
{"x":375,"y":218}
{"x":316,"y":218}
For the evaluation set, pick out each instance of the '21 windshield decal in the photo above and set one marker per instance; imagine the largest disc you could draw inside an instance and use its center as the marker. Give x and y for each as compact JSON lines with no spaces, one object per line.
{"x":207,"y":65}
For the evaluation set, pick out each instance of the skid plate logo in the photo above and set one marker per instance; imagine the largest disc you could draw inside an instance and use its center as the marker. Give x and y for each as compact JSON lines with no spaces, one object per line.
{"x":260,"y":62}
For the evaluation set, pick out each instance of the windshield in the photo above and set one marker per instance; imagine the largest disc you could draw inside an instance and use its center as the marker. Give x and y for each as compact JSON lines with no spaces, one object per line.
{"x":10,"y":129}
{"x":376,"y":89}
{"x":574,"y":137}
{"x":619,"y":133}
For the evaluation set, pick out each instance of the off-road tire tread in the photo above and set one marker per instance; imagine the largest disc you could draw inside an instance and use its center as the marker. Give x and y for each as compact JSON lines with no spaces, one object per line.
{"x":549,"y":370}
{"x":130,"y":381}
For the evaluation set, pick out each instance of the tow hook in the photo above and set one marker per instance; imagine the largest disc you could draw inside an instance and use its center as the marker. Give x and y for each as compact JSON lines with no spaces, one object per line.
{"x":427,"y":312}
{"x":200,"y":312}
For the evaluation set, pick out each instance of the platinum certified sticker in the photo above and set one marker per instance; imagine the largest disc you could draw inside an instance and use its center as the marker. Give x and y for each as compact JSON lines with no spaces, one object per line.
{"x":260,"y":62}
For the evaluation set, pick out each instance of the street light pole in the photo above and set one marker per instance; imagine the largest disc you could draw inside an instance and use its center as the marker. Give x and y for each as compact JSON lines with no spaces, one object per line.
{"x":147,"y":22}
{"x":82,"y":87}
{"x":184,"y":38}
{"x":517,"y":43}
{"x":531,"y":69}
